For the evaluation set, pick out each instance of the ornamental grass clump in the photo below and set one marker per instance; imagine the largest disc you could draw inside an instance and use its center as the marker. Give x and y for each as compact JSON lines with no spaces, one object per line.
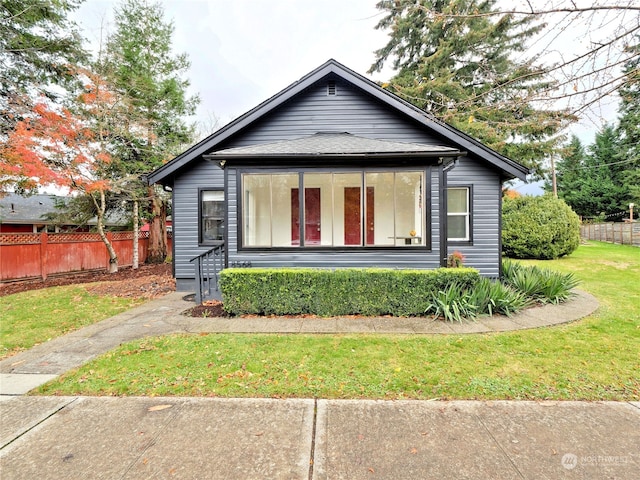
{"x":494,"y":298}
{"x":453,"y":303}
{"x":542,"y":285}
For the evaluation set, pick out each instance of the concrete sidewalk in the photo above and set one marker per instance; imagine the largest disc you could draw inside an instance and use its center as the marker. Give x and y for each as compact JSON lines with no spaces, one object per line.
{"x":27,"y":370}
{"x":62,"y":438}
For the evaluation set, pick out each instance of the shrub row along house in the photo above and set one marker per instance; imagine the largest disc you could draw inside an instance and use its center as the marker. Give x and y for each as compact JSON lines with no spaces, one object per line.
{"x":334,"y":171}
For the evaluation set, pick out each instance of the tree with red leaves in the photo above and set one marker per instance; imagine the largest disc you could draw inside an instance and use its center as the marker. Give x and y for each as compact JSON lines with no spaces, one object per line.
{"x":57,"y":147}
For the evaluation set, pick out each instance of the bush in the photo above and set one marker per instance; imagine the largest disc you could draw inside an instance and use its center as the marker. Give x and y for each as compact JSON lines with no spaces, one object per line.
{"x":349,"y":291}
{"x":543,"y":285}
{"x":543,"y":228}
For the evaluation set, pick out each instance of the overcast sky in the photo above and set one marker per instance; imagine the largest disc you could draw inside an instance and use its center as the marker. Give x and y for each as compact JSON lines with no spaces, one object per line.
{"x":244,"y":51}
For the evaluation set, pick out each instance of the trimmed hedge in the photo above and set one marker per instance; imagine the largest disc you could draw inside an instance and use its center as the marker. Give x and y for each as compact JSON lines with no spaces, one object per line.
{"x":348,"y":291}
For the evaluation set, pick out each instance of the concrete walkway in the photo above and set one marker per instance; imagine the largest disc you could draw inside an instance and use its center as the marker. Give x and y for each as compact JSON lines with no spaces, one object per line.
{"x":199,"y":438}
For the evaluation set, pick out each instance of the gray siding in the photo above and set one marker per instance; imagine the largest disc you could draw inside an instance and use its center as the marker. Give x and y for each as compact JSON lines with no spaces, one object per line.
{"x":185,"y":213}
{"x":349,"y":111}
{"x":484,"y":254}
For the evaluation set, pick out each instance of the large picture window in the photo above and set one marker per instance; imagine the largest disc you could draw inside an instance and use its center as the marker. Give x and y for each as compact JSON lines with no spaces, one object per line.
{"x":211,"y":216}
{"x":458,"y":214}
{"x":351,"y":209}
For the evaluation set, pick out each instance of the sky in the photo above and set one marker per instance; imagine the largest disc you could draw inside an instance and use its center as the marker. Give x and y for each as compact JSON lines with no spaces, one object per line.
{"x":244,"y":51}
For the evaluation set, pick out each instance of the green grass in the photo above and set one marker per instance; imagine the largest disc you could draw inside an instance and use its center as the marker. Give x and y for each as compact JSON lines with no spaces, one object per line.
{"x":593,"y":359}
{"x":33,"y":317}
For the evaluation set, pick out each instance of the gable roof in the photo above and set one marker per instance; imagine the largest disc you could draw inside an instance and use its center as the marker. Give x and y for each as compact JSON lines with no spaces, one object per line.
{"x":508,"y":167}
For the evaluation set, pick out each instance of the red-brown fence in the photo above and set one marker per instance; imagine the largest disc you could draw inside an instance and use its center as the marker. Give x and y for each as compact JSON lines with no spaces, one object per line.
{"x":27,"y":255}
{"x":626,"y":233}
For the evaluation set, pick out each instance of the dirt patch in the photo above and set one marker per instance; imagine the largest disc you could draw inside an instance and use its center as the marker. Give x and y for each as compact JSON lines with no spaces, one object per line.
{"x":148,"y":281}
{"x":208,"y":309}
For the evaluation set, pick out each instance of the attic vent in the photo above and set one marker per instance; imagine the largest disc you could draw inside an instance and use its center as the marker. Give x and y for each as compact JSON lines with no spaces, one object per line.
{"x":331,"y":88}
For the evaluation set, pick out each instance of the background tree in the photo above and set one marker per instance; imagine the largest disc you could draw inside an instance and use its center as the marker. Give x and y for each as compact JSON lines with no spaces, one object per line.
{"x":38,"y":47}
{"x":55,"y":147}
{"x":582,"y":45}
{"x":593,"y":182}
{"x":629,"y":124}
{"x":569,"y":178}
{"x":458,"y":60}
{"x":140,"y":65}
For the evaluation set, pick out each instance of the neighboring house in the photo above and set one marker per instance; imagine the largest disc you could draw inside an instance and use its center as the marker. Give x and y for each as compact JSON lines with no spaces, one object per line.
{"x":29,"y":214}
{"x":335,"y":171}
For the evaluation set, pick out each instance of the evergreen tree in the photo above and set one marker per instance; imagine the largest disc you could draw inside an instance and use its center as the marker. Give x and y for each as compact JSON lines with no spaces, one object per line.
{"x":568,"y":172}
{"x":457,"y":60}
{"x":39,"y":46}
{"x":141,"y":67}
{"x":629,"y":125}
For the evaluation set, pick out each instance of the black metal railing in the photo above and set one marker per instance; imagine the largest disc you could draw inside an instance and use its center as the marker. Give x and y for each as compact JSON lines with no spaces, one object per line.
{"x":208,"y":267}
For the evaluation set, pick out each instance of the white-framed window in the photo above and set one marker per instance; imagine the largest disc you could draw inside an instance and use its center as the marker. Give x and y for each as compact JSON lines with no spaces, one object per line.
{"x":458,"y":214}
{"x":334,"y":209}
{"x":211,"y":216}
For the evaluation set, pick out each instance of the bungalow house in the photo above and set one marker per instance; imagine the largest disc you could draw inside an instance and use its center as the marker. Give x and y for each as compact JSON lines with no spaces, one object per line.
{"x":334,"y":171}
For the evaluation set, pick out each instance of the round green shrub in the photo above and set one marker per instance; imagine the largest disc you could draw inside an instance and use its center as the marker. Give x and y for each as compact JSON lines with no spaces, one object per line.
{"x":543,"y":228}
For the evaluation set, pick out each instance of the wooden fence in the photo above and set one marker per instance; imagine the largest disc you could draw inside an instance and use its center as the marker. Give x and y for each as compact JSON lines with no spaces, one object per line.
{"x":626,"y":233}
{"x":38,"y":255}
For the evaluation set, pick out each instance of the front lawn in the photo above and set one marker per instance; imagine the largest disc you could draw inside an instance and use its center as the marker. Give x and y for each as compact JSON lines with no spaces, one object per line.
{"x":592,"y":359}
{"x":35,"y":316}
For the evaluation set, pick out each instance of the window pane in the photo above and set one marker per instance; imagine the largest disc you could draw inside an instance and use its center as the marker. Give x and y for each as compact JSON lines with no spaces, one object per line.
{"x":256,"y":209}
{"x":212,"y":229}
{"x":409,"y":228}
{"x":379,"y":211}
{"x":285,"y":226}
{"x":212,"y":210}
{"x":317,"y":198}
{"x":457,"y":227}
{"x":457,"y":200}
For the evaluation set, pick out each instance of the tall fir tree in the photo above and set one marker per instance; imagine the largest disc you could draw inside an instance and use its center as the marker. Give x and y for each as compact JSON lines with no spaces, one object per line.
{"x":39,"y":46}
{"x":568,"y":172}
{"x":629,"y":124}
{"x":461,"y":64}
{"x":142,"y":68}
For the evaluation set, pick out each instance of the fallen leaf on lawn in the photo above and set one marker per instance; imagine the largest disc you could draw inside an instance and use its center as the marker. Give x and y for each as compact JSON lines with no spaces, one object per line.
{"x":159,"y":407}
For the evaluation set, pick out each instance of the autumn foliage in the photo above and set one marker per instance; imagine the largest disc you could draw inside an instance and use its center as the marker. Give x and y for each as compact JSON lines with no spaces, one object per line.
{"x":54,"y":146}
